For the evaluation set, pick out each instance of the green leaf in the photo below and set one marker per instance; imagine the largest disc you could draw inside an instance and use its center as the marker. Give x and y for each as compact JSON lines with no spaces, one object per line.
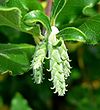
{"x":19,"y":103}
{"x":9,"y":32}
{"x":33,"y":5}
{"x":91,"y":28}
{"x":37,"y":16}
{"x":3,"y":2}
{"x":88,"y":32}
{"x":58,"y":5}
{"x":24,"y":5}
{"x":15,"y":58}
{"x":17,"y":3}
{"x":72,"y":34}
{"x":10,"y":17}
{"x":73,"y":10}
{"x":89,"y":10}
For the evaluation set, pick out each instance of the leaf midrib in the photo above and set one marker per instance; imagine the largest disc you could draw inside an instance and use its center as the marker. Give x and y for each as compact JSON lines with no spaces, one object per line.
{"x":16,"y":48}
{"x":8,"y":58}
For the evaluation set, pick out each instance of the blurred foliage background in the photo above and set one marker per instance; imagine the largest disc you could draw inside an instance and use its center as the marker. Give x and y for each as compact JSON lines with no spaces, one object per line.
{"x":20,"y":92}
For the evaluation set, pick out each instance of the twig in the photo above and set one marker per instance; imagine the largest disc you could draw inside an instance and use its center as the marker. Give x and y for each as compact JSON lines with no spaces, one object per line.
{"x":48,"y":8}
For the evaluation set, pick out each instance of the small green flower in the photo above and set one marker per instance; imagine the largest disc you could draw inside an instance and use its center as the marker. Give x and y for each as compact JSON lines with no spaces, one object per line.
{"x":59,"y":62}
{"x":37,"y":62}
{"x":65,"y":59}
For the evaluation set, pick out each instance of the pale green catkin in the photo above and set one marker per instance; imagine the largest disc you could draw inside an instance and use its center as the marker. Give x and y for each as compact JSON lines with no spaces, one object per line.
{"x":37,"y":62}
{"x":65,"y":59}
{"x":59,"y":62}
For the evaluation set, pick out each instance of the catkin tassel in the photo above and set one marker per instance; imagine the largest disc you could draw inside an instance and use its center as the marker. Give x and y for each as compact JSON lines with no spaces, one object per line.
{"x":37,"y":62}
{"x":59,"y":62}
